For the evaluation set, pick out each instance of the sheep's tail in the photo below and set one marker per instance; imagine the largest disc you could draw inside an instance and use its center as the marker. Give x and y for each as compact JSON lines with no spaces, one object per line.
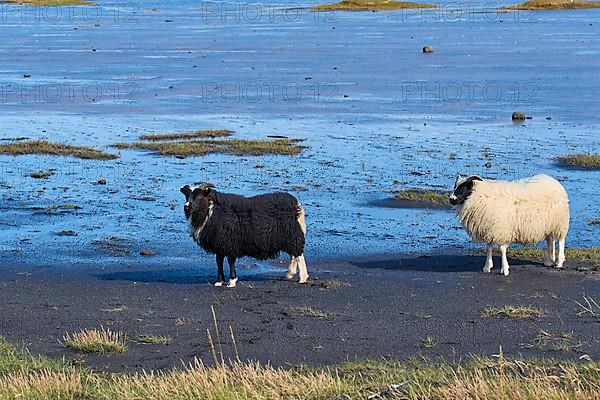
{"x":300,"y":218}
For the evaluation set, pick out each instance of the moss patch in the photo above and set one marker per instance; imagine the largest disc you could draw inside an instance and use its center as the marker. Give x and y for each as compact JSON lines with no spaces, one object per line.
{"x":370,"y":5}
{"x":205,"y":133}
{"x":153,"y":339}
{"x":227,"y":146}
{"x":554,"y":5}
{"x":40,"y":3}
{"x":54,"y":149}
{"x":584,"y":255}
{"x":423,"y":198}
{"x":587,"y":161}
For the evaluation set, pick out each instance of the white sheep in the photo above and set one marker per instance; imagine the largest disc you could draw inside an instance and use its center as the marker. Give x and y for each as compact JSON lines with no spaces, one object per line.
{"x":526,"y":211}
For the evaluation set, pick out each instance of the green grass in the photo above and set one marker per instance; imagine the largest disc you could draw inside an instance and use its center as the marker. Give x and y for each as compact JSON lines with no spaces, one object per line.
{"x":424,"y":197}
{"x":153,"y":339}
{"x":239,"y":147}
{"x":205,"y":133}
{"x":39,"y":378}
{"x":513,"y":312}
{"x":554,"y":5}
{"x":51,"y":2}
{"x":583,"y":255}
{"x":53,"y":149}
{"x":23,"y":376}
{"x":370,"y":5}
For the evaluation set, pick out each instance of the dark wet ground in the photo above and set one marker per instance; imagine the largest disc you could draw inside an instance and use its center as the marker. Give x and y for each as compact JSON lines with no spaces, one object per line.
{"x":366,"y":309}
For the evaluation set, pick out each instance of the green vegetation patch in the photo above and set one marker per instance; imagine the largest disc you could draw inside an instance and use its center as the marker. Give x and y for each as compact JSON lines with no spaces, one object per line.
{"x":370,"y":5}
{"x":423,"y":198}
{"x":584,"y":255}
{"x":23,"y":376}
{"x":153,"y":339}
{"x":54,"y":149}
{"x":228,"y":146}
{"x":554,"y":5}
{"x":205,"y":133}
{"x":587,"y":161}
{"x":40,"y":3}
{"x":513,"y":312}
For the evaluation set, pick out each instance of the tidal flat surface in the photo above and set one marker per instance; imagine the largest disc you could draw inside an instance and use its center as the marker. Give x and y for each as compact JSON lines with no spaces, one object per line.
{"x":377,"y":115}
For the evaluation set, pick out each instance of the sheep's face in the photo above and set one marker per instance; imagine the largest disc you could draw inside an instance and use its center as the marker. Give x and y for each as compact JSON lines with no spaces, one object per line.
{"x":463,"y":188}
{"x":197,"y":200}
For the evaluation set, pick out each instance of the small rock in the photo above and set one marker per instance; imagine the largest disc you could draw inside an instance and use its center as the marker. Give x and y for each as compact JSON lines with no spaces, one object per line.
{"x":42,"y":174}
{"x":518,"y":116}
{"x":26,"y":75}
{"x":147,"y":252}
{"x":488,"y":165}
{"x":102,"y":182}
{"x":66,"y":233}
{"x":427,"y":49}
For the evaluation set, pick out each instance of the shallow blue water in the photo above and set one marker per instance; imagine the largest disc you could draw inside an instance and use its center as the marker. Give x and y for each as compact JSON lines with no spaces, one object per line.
{"x":377,"y":114}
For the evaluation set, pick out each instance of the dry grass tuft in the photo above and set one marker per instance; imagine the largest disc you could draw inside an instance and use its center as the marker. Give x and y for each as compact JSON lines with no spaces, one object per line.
{"x":423,"y":198}
{"x":513,"y":312}
{"x":589,"y":306}
{"x":97,"y":341}
{"x":313,"y":312}
{"x":229,"y":146}
{"x":554,"y":5}
{"x":53,"y":149}
{"x":587,"y":161}
{"x":205,"y":133}
{"x":370,"y":5}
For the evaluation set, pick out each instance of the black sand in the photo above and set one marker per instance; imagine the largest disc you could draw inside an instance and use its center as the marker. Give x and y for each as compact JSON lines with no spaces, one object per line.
{"x":371,"y":309}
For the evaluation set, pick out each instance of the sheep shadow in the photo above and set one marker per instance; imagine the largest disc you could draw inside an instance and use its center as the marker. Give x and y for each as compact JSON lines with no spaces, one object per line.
{"x":437,"y":263}
{"x":174,"y":276}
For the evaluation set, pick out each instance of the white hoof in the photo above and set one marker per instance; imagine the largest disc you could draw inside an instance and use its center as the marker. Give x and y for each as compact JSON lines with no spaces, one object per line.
{"x":290,"y":275}
{"x":303,"y":279}
{"x":504,"y":271}
{"x":219,"y":284}
{"x":232,"y":283}
{"x":560,"y":264}
{"x":487,"y":269}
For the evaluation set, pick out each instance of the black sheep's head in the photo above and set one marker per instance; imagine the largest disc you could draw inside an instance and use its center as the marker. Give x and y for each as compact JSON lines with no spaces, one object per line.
{"x":198,"y":200}
{"x":463,"y":188}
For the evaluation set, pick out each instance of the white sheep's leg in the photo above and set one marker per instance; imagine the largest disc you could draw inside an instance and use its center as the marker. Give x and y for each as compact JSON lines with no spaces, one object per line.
{"x":561,"y":253}
{"x":293,"y":267}
{"x":505,"y":267}
{"x":303,"y":269}
{"x":550,"y":252}
{"x":489,"y":262}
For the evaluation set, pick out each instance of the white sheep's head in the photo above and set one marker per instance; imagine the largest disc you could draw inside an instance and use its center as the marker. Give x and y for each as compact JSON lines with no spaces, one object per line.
{"x":198,"y":200}
{"x":463,"y":188}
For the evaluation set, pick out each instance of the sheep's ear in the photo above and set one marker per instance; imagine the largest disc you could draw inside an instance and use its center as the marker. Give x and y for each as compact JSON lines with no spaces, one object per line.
{"x":186,"y":190}
{"x":475,"y":178}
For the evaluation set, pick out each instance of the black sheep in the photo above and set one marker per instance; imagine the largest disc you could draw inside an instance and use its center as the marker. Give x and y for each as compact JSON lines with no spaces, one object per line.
{"x":234,"y":226}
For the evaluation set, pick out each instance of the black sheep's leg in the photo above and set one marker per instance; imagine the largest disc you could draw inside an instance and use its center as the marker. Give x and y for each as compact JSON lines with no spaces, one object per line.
{"x":220,"y":273}
{"x":232,"y":275}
